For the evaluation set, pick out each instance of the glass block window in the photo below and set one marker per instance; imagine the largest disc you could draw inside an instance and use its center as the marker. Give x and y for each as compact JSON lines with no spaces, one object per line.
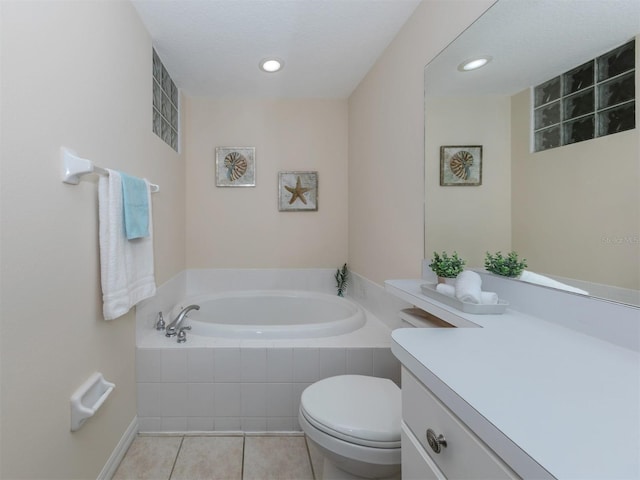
{"x":165,"y":104}
{"x":594,"y":99}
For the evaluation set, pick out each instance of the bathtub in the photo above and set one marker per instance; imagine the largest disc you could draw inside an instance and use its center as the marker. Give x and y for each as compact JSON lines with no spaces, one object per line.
{"x":227,"y":377}
{"x":272,"y":314}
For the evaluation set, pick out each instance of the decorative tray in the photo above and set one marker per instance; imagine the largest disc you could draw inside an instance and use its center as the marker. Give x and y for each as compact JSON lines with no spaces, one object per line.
{"x":429,"y":289}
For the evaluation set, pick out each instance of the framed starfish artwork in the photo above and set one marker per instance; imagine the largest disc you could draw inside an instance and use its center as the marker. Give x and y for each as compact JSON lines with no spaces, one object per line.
{"x":298,"y":191}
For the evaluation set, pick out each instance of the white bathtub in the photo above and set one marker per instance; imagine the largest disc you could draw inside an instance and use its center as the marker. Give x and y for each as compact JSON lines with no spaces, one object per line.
{"x":272,"y":314}
{"x":229,"y":384}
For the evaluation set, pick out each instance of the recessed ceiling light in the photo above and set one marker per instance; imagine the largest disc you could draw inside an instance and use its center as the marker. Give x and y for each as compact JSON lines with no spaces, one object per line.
{"x":271,"y":65}
{"x":474,"y":63}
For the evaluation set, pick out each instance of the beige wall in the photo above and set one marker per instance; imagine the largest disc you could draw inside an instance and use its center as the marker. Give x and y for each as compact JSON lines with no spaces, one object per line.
{"x":471,"y":219}
{"x":576,"y":209}
{"x":76,"y":74}
{"x":242,"y":227}
{"x":386,"y":144}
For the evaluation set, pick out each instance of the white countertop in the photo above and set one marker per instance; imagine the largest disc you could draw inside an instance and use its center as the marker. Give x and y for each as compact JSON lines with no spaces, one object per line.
{"x":548,"y":400}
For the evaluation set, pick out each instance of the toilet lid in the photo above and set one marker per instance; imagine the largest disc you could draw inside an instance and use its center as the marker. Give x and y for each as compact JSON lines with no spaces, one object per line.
{"x":359,"y":409}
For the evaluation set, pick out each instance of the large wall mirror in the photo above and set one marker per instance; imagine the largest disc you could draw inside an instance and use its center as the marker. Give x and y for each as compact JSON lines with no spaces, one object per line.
{"x":572,"y":211}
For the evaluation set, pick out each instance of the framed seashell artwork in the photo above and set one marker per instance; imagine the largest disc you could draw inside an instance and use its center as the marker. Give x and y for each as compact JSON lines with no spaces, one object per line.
{"x":461,"y":165}
{"x":297,"y":191}
{"x":235,"y":166}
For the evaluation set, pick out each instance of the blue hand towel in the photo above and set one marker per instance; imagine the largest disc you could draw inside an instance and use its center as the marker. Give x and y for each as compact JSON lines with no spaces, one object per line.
{"x":135,"y":199}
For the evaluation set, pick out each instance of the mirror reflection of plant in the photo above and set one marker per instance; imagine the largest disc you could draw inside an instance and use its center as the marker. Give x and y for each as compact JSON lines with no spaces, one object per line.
{"x":507,"y":266}
{"x":447,"y":266}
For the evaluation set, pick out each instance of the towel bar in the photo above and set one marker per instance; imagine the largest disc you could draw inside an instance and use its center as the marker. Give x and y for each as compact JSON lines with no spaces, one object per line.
{"x":74,"y":167}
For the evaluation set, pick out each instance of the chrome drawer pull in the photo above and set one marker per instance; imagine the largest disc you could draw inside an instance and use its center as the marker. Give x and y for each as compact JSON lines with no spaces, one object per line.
{"x":436,"y":442}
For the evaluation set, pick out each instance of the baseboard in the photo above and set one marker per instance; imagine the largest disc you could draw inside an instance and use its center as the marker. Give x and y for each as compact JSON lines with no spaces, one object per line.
{"x":121,"y":449}
{"x":225,"y":433}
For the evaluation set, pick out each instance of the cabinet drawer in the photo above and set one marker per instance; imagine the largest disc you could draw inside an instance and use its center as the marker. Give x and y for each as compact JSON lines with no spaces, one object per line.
{"x":465,"y":456}
{"x":416,"y":464}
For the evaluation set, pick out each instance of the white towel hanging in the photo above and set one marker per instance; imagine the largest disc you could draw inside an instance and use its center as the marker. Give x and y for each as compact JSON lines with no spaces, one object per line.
{"x":126,"y":266}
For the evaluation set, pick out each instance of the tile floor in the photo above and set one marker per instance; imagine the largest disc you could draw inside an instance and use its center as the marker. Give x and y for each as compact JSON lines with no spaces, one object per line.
{"x":217,"y":458}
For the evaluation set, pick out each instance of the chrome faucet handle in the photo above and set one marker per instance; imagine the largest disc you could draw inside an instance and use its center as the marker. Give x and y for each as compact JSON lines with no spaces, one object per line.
{"x":160,"y":323}
{"x":182,"y":335}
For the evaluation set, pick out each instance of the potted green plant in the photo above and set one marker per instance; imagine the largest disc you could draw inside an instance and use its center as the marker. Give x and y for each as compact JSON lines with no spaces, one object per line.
{"x":507,"y":266}
{"x":445,"y":266}
{"x":342,"y":280}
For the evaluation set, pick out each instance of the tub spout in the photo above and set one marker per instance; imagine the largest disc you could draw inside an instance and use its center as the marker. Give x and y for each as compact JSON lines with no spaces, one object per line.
{"x":173,"y":327}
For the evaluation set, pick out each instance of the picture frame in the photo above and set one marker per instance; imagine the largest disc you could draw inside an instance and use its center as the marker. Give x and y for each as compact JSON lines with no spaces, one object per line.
{"x":235,"y":166}
{"x":460,"y":165}
{"x":298,"y":191}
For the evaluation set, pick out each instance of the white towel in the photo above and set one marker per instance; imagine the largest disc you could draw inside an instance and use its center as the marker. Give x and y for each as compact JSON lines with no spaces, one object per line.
{"x":488,"y":298}
{"x":468,"y":287}
{"x":538,"y":279}
{"x":448,"y":290}
{"x":126,"y":266}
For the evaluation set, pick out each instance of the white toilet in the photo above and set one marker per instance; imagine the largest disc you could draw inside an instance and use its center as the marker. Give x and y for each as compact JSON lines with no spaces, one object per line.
{"x":354,"y":421}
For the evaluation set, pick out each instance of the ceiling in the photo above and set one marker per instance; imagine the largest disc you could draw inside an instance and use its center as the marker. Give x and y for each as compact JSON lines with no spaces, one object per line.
{"x":531,"y":42}
{"x":212,"y":48}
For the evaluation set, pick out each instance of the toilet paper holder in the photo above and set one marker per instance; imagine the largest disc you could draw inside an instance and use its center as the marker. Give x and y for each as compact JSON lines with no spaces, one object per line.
{"x":88,"y":398}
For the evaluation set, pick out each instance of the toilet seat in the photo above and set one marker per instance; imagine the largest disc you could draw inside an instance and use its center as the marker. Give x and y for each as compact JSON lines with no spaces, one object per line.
{"x":358,"y":409}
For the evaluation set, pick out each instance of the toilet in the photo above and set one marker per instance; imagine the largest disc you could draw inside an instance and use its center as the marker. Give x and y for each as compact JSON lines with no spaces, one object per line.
{"x":354,"y":422}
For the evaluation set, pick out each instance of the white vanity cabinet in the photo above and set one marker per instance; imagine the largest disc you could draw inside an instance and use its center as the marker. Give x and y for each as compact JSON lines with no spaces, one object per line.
{"x":516,"y":397}
{"x":436,"y":444}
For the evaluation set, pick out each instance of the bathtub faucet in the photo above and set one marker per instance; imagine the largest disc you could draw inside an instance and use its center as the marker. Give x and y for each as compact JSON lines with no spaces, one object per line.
{"x":173,"y":327}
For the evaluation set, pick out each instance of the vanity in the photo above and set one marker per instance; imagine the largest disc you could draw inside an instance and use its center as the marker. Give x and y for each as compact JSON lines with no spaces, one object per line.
{"x":549,"y":389}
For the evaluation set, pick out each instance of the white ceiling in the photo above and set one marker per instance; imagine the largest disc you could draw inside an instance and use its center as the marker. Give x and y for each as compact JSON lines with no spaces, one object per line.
{"x":531,"y":41}
{"x":212,"y":47}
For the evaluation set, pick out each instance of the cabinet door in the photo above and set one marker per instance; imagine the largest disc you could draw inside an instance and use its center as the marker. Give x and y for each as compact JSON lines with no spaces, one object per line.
{"x":466,"y":456}
{"x":416,"y":464}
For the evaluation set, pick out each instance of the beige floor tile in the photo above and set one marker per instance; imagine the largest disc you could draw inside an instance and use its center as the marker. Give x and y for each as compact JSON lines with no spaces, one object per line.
{"x":210,"y":458}
{"x":276,"y":458}
{"x":149,"y":458}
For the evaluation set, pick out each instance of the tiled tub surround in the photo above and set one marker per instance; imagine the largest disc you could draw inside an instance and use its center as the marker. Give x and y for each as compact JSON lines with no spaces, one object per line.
{"x":221,"y":384}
